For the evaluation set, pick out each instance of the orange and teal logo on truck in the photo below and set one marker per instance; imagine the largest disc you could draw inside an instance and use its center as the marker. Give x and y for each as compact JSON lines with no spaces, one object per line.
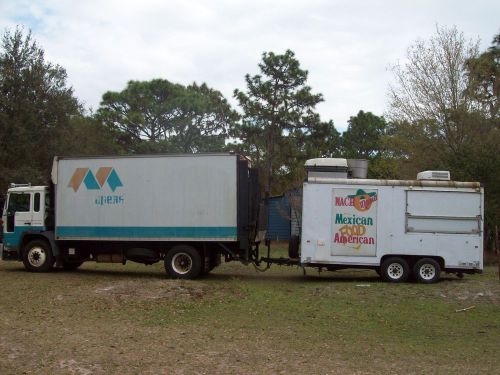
{"x":95,"y":182}
{"x":91,"y":181}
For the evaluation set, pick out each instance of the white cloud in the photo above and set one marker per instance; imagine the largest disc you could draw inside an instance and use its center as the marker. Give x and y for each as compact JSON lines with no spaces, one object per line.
{"x":346,"y":46}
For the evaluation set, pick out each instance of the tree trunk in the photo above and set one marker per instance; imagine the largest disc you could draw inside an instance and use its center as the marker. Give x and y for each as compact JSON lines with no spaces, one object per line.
{"x":497,"y":248}
{"x":269,"y":167}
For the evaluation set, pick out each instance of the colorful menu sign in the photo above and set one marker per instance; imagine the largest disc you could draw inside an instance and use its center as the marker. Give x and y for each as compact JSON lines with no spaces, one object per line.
{"x":354,"y":222}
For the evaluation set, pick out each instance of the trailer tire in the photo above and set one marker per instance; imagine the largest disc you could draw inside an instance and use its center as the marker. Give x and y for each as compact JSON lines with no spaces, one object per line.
{"x":427,"y":271}
{"x":395,"y":270}
{"x":37,"y":256}
{"x":183,"y":262}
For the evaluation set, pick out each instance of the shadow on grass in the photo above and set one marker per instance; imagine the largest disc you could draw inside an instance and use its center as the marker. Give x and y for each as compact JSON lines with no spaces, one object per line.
{"x":291,"y":278}
{"x":85,"y":272}
{"x":241,"y":273}
{"x":312,"y":276}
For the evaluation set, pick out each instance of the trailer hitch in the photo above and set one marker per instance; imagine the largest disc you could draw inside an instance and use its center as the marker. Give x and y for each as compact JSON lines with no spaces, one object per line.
{"x":268,"y":260}
{"x":258,"y":261}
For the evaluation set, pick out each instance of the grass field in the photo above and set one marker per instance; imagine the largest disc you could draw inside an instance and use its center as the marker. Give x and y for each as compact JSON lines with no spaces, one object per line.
{"x":114,"y":319}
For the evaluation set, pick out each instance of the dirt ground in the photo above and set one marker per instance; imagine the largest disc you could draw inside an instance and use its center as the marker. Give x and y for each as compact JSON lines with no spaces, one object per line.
{"x":109,"y":319}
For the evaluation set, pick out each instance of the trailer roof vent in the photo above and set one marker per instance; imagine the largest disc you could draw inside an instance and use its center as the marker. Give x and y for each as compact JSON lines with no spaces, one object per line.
{"x":326,"y":162}
{"x":326,"y":167}
{"x":434,"y":175}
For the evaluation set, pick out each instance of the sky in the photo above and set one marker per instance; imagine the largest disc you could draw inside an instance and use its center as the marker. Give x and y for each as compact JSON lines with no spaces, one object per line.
{"x":346,"y":46}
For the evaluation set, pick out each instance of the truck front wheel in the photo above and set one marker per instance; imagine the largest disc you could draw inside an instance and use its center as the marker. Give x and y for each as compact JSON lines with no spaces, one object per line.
{"x":395,"y":270}
{"x":183,"y":262}
{"x":37,"y":256}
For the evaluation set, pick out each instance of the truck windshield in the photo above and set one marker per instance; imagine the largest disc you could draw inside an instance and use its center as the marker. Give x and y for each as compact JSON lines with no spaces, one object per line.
{"x":19,"y":202}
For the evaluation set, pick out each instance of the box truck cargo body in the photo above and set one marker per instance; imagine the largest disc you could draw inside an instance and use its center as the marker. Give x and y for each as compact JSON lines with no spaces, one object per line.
{"x":184,"y":209}
{"x":397,"y":227}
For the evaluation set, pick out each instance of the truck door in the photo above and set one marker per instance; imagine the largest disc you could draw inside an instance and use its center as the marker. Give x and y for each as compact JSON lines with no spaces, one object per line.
{"x":18,"y":215}
{"x":38,"y":212}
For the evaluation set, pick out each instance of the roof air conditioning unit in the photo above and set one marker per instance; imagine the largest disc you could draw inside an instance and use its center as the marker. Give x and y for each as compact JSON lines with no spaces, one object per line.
{"x":434,"y":175}
{"x":326,"y":167}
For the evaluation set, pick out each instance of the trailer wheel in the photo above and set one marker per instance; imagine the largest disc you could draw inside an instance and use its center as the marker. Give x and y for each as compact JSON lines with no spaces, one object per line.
{"x":183,"y":262}
{"x":395,"y":270}
{"x":427,"y":271}
{"x":37,"y":256}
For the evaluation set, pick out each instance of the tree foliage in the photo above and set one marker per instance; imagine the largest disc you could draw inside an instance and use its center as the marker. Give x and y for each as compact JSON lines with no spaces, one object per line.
{"x":158,"y":115}
{"x":363,"y":136}
{"x":36,"y":106}
{"x":484,"y":82}
{"x":444,"y":112}
{"x":280,"y":128}
{"x":85,"y":135}
{"x":364,"y":139}
{"x":431,"y":87}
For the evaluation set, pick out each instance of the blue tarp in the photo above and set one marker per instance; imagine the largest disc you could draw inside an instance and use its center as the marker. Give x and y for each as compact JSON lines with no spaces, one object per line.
{"x":278,"y":220}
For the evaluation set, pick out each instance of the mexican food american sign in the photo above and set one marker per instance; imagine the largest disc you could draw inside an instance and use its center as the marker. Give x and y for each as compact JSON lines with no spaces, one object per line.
{"x":354,"y":222}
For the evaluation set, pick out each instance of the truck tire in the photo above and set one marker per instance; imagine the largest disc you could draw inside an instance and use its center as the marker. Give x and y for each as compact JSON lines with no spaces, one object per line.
{"x":427,"y":271}
{"x":183,"y":262}
{"x":37,"y":256}
{"x":395,"y":270}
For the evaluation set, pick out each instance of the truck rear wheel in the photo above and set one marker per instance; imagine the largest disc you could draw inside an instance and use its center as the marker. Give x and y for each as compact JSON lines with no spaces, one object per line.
{"x":427,"y":271}
{"x":183,"y":262}
{"x":37,"y":256}
{"x":395,"y":270}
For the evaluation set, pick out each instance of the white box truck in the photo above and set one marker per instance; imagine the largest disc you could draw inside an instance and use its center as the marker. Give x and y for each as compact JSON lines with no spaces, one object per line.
{"x":399,"y":228}
{"x":186,"y":210}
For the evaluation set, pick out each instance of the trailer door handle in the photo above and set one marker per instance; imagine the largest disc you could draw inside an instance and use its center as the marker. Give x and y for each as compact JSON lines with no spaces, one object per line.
{"x":28,"y":223}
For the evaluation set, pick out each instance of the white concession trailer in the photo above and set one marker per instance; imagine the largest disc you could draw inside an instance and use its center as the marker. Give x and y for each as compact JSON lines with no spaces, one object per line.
{"x":400,"y":228}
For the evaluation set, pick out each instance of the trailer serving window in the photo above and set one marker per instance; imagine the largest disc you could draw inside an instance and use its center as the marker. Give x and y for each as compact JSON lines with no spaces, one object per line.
{"x":443,"y":212}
